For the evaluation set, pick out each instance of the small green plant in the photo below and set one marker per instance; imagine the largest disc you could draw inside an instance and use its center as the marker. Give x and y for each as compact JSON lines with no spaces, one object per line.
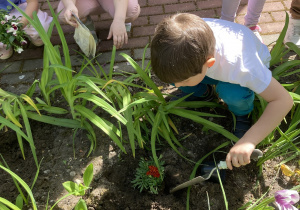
{"x":79,"y":189}
{"x":148,"y":177}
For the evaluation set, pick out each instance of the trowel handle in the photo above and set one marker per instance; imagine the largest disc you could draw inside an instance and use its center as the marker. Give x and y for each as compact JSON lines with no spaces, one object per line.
{"x":256,"y":154}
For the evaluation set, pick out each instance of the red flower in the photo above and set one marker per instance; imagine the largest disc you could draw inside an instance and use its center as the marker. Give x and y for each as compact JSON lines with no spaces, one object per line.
{"x":153,"y":171}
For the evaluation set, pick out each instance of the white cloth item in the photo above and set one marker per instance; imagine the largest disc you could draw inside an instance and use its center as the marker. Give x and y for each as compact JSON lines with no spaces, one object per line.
{"x":44,"y":18}
{"x":240,"y":56}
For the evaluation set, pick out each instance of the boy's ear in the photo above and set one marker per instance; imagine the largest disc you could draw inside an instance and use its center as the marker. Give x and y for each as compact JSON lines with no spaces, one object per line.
{"x":210,"y":62}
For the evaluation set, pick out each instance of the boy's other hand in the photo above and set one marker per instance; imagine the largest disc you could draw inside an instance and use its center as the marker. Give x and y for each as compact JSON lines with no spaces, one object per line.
{"x":239,"y":154}
{"x":68,"y":15}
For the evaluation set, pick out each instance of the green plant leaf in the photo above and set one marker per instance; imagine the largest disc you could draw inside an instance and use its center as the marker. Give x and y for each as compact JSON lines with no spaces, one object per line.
{"x":25,"y":186}
{"x":9,"y":114}
{"x":81,"y":205}
{"x":19,"y":201}
{"x":88,"y":175}
{"x":100,"y":123}
{"x":72,"y":187}
{"x":7,"y":203}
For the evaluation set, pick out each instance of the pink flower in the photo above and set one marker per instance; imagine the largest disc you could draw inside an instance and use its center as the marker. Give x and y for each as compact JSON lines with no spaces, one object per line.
{"x":3,"y":22}
{"x":286,"y":198}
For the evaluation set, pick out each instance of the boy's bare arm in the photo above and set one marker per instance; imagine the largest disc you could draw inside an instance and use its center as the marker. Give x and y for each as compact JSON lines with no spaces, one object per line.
{"x":32,"y":5}
{"x":279,"y":104}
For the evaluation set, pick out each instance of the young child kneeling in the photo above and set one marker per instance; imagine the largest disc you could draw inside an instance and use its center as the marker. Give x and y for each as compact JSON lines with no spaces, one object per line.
{"x":28,"y":6}
{"x":194,"y":53}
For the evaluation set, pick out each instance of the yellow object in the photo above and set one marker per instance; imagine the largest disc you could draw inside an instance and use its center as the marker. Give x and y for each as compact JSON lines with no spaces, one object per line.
{"x":286,"y":170}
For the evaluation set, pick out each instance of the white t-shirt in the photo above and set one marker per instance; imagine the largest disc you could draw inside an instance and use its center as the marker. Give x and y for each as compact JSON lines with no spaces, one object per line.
{"x":240,"y":56}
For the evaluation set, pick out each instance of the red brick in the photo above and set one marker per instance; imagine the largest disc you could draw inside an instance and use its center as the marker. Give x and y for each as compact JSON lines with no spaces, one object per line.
{"x":271,"y":28}
{"x":274,"y":6}
{"x":160,"y":2}
{"x":56,"y":39}
{"x":157,"y":18}
{"x":279,"y":16}
{"x":151,"y":10}
{"x":140,"y":21}
{"x":67,"y":29}
{"x":209,"y":4}
{"x":139,"y":42}
{"x":144,"y":30}
{"x":103,"y":24}
{"x":205,"y":13}
{"x":180,"y":7}
{"x":33,"y":53}
{"x":143,"y":3}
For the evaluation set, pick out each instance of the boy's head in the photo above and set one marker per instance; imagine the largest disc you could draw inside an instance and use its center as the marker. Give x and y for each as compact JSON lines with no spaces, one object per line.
{"x":181,"y":46}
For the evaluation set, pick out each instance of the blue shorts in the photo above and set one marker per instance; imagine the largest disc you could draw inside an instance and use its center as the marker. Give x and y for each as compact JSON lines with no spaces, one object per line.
{"x":239,"y":99}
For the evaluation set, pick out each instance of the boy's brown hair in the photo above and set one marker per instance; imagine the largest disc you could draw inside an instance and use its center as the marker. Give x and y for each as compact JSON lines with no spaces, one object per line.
{"x":180,"y":47}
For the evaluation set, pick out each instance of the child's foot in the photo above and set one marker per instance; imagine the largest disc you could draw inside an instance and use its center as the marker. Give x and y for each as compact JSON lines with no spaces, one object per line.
{"x":293,"y":32}
{"x":243,"y":124}
{"x":256,"y":29}
{"x":208,"y":96}
{"x":37,"y":42}
{"x":5,"y":53}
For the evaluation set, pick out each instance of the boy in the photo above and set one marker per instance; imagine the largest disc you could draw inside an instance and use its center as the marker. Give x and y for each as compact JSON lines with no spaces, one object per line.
{"x":193,"y":53}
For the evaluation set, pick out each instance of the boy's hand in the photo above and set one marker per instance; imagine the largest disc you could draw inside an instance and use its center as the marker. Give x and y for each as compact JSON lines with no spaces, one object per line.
{"x":239,"y":154}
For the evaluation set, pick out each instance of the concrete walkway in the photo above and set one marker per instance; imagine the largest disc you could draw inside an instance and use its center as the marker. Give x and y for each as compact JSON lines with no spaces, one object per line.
{"x":22,"y":69}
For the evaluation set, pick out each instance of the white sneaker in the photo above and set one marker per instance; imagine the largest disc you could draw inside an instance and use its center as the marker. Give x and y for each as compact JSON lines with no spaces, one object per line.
{"x":293,"y":32}
{"x":256,"y":29}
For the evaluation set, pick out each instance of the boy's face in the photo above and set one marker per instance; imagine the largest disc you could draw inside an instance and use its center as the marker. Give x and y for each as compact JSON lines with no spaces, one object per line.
{"x":194,"y":80}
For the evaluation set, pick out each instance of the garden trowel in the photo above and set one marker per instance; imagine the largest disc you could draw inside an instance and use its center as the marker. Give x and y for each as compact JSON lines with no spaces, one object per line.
{"x":256,"y":154}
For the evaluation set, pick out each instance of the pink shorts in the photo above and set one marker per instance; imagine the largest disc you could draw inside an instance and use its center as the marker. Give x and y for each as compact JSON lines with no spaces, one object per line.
{"x":96,"y":7}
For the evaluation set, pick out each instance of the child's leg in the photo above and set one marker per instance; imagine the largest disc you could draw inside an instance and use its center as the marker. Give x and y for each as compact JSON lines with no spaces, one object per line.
{"x":229,"y":9}
{"x":200,"y":89}
{"x":133,"y":9}
{"x":239,"y":99}
{"x":85,"y":8}
{"x":44,"y":18}
{"x":254,"y":10}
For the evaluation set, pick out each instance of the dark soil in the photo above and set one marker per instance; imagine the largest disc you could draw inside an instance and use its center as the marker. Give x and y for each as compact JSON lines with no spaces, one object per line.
{"x":114,"y":171}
